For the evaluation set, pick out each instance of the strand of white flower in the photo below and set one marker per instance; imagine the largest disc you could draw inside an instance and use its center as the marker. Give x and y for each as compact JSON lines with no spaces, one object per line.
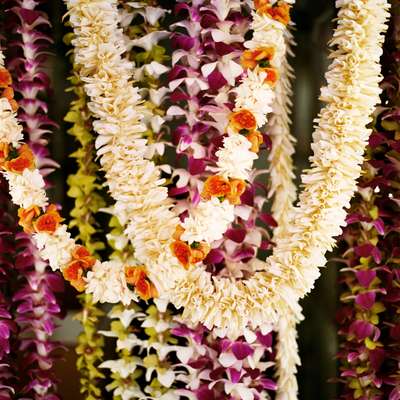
{"x":339,"y":142}
{"x":142,"y":202}
{"x":283,"y":193}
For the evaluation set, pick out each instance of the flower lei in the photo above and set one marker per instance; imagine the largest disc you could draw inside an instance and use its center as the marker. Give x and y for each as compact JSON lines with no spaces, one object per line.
{"x":369,"y":323}
{"x":36,"y":297}
{"x":292,"y":269}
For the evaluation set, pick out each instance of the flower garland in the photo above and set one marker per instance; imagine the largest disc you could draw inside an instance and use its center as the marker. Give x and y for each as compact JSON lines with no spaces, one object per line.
{"x":283,"y":192}
{"x":36,"y":298}
{"x":369,"y":324}
{"x":8,"y":326}
{"x":214,"y":303}
{"x":205,"y":211}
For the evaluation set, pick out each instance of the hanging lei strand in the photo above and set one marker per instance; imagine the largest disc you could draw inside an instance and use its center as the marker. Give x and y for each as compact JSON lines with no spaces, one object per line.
{"x":85,"y":189}
{"x":143,"y":347}
{"x":208,"y":45}
{"x":37,"y":303}
{"x":8,"y":326}
{"x":368,"y":319}
{"x":282,"y":186}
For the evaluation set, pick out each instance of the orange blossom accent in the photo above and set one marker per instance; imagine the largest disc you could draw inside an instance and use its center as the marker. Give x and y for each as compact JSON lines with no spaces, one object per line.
{"x":243,"y":119}
{"x":238,"y":186}
{"x":256,"y":139}
{"x":26,"y":217}
{"x":137,"y":276}
{"x":5,"y":78}
{"x":258,"y":57}
{"x":279,"y":11}
{"x":25,"y":160}
{"x":182,"y":251}
{"x":49,"y":221}
{"x":215,"y":186}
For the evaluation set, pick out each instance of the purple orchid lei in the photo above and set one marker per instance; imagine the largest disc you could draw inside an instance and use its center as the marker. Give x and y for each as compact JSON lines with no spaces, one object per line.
{"x":369,"y":322}
{"x":37,"y":305}
{"x":210,"y":37}
{"x":8,"y":327}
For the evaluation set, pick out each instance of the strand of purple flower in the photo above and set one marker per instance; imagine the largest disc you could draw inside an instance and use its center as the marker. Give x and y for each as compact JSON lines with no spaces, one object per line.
{"x":369,"y":316}
{"x":208,"y":35}
{"x":37,"y":304}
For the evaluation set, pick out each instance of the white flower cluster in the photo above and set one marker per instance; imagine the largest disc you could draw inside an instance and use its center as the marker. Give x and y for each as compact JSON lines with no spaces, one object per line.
{"x":10,"y":130}
{"x":235,"y":159}
{"x":27,"y":189}
{"x":56,"y":247}
{"x":197,"y":225}
{"x":106,"y":281}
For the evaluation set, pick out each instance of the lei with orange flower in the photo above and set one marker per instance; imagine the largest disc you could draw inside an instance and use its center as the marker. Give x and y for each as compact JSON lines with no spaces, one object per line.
{"x":225,"y":305}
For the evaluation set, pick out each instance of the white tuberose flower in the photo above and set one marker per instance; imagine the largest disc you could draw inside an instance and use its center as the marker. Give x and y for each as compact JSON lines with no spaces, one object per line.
{"x":107,"y":282}
{"x":208,"y":221}
{"x":235,"y":160}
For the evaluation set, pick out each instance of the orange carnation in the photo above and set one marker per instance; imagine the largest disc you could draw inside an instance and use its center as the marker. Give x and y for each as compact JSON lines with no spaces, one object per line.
{"x":199,"y":252}
{"x":73,"y":273}
{"x":49,"y":221}
{"x":238,"y":186}
{"x":243,"y":120}
{"x":137,"y":276}
{"x":82,"y":254}
{"x":24,"y":160}
{"x":5,"y":78}
{"x":279,"y":11}
{"x":134,"y":274}
{"x":215,"y":186}
{"x":26,"y":216}
{"x":256,"y":139}
{"x":258,"y":57}
{"x":182,"y":252}
{"x":145,"y":289}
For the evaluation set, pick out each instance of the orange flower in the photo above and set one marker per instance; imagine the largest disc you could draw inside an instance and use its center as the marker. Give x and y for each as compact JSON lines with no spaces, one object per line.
{"x":182,"y":252}
{"x":49,"y":221}
{"x":82,"y":254}
{"x":215,"y":186}
{"x":256,"y":139}
{"x":258,"y":57}
{"x":145,"y":289}
{"x":73,"y":273}
{"x":5,"y":78}
{"x":243,"y":120}
{"x":199,"y":252}
{"x":272,"y":76}
{"x":24,"y":160}
{"x":137,"y":276}
{"x":4,"y":151}
{"x":26,"y":216}
{"x":279,"y":11}
{"x":238,"y":187}
{"x":178,"y":232}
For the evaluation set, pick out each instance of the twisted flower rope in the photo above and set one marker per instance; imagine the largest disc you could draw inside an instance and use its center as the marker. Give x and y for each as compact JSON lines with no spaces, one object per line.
{"x":292,"y":269}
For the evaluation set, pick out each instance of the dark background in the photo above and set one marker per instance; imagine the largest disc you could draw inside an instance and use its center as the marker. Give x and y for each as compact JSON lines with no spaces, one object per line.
{"x":317,"y":334}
